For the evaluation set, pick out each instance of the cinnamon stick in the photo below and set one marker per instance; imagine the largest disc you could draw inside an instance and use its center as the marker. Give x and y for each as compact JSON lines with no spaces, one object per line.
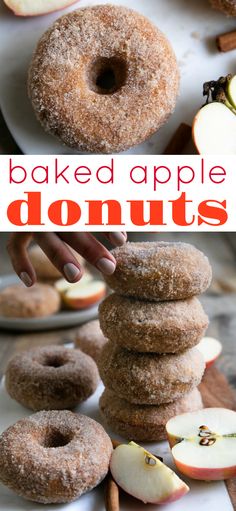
{"x":111,"y":495}
{"x":226,"y":42}
{"x":179,"y":140}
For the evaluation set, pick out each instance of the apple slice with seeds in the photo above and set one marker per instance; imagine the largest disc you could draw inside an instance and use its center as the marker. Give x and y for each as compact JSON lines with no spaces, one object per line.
{"x":211,"y":349}
{"x":204,"y":443}
{"x":36,"y":7}
{"x":144,"y":476}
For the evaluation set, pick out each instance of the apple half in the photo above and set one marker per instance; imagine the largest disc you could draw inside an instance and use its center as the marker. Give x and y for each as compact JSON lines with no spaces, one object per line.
{"x":144,"y":476}
{"x":80,"y":296}
{"x":204,"y":443}
{"x":36,"y":7}
{"x":210,"y":349}
{"x":62,"y":285}
{"x":214,"y":130}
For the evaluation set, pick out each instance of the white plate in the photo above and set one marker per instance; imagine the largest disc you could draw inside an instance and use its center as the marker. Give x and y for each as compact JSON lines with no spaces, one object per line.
{"x":59,"y":320}
{"x":191,"y":26}
{"x":203,"y":496}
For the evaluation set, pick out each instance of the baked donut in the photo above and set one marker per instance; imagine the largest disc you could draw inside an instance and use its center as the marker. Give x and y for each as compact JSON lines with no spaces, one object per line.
{"x":158,"y":327}
{"x":148,"y":378}
{"x":54,"y":457}
{"x":103,"y":79}
{"x":40,"y":300}
{"x":51,"y":378}
{"x":227,"y":6}
{"x":144,"y":423}
{"x":159,"y":271}
{"x":90,"y":339}
{"x":44,"y":269}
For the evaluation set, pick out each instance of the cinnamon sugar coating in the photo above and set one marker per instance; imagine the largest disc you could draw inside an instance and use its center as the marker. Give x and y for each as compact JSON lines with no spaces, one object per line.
{"x":159,"y":271}
{"x":40,"y":300}
{"x":144,"y":423}
{"x":51,"y":378}
{"x":158,"y":327}
{"x":103,"y":79}
{"x":90,"y":339}
{"x":227,"y":6}
{"x":54,"y":457}
{"x":148,"y":378}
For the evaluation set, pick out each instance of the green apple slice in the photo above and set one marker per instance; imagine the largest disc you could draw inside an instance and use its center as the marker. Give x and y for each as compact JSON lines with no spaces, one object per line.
{"x":231,"y":91}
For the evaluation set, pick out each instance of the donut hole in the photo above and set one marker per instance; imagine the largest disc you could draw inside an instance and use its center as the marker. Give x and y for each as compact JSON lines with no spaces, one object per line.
{"x":53,"y":361}
{"x":54,"y":439}
{"x":107,"y":75}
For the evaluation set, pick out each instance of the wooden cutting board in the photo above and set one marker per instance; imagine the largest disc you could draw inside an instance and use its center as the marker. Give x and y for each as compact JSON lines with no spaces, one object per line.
{"x":216,"y":392}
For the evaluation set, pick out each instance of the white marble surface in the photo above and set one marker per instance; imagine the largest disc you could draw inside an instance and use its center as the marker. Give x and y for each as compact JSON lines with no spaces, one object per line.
{"x":191,"y":26}
{"x":202,"y":496}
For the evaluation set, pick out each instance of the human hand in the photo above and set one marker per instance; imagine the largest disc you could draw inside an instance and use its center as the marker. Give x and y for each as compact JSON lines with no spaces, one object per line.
{"x":57,"y":248}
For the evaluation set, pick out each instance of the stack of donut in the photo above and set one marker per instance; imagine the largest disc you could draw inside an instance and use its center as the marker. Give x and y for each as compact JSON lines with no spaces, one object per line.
{"x":151,"y":366}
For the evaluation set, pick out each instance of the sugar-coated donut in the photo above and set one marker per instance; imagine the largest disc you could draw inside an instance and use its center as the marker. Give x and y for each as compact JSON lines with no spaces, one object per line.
{"x":158,"y":327}
{"x":54,"y":456}
{"x":103,"y":79}
{"x":51,"y":378}
{"x":44,"y":269}
{"x":144,"y":423}
{"x":148,"y":378}
{"x":90,"y":339}
{"x":40,"y":300}
{"x":159,"y":271}
{"x":227,"y":6}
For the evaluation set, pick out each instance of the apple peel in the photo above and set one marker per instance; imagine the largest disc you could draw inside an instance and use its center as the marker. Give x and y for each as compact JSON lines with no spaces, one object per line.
{"x":144,"y":476}
{"x":36,"y":7}
{"x":204,"y":443}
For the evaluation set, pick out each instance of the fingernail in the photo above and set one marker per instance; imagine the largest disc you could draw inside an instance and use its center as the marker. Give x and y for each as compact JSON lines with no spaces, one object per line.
{"x":24,"y":276}
{"x":106,"y":266}
{"x":71,"y":271}
{"x":118,"y":238}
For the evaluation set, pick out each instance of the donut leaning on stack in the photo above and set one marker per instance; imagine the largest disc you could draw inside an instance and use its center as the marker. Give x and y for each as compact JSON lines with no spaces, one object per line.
{"x":150,"y":366}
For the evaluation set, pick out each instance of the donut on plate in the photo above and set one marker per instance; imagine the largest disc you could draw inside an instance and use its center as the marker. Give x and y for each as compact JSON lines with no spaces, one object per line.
{"x":51,"y":378}
{"x":148,"y":378}
{"x":158,"y":327}
{"x":18,"y":301}
{"x":103,"y":79}
{"x":144,"y":423}
{"x":54,"y":456}
{"x":159,"y":271}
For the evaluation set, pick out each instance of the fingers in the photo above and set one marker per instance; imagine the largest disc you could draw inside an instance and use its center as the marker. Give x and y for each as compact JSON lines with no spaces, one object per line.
{"x":60,"y":255}
{"x":116,"y":238}
{"x":92,"y":250}
{"x":17,"y":249}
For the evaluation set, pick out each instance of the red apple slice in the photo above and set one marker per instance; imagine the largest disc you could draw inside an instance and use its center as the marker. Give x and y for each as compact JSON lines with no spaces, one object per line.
{"x":214,"y":130}
{"x":204,"y":443}
{"x":81,"y":296}
{"x":63,"y":285}
{"x":211,"y":349}
{"x":36,"y":7}
{"x":144,"y":476}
